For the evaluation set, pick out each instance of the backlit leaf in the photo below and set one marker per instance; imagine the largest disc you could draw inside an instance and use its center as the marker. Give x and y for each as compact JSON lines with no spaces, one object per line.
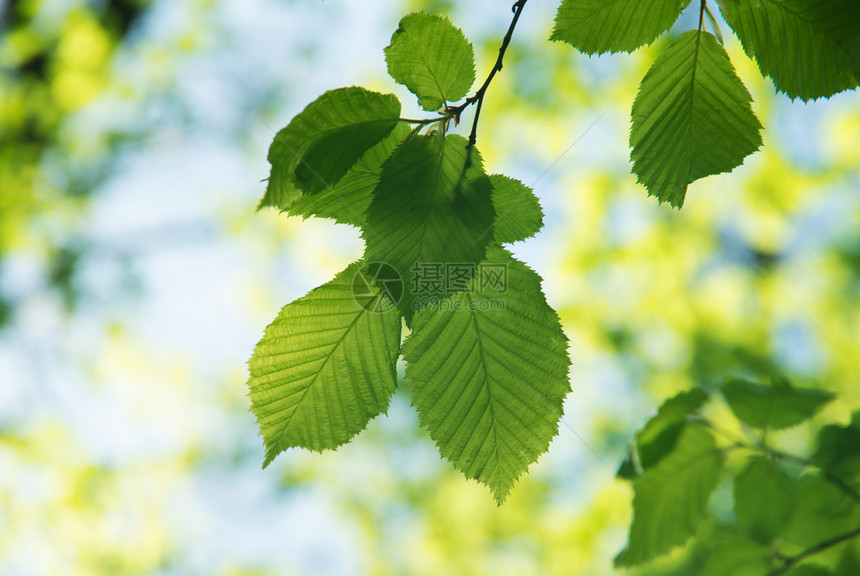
{"x":324,"y":367}
{"x":432,"y":58}
{"x":347,"y":201}
{"x":691,"y":118}
{"x":518,"y":212}
{"x":432,"y":207}
{"x":325,"y":140}
{"x":598,"y":26}
{"x":488,"y":367}
{"x":809,"y":48}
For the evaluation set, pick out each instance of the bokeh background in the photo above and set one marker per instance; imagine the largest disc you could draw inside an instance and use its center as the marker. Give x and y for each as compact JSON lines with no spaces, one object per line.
{"x":136,"y":277}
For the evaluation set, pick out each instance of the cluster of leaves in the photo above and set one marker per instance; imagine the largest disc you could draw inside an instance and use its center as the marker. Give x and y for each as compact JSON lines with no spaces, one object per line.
{"x":488,"y":381}
{"x":692,"y":116}
{"x":791,"y":513}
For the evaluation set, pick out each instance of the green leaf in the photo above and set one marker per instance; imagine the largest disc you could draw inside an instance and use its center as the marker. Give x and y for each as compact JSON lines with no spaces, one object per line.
{"x":325,"y":140}
{"x":489,"y":368}
{"x":599,"y":26}
{"x":660,"y":434}
{"x":518,"y":212}
{"x":809,"y":48}
{"x":324,"y":368}
{"x":737,"y":557}
{"x":670,"y":500}
{"x":822,"y":512}
{"x":347,"y":201}
{"x":432,"y":58}
{"x":691,"y":118}
{"x":808,"y":570}
{"x":764,"y":500}
{"x":432,"y":206}
{"x":777,"y":406}
{"x":838,"y":450}
{"x":627,"y":470}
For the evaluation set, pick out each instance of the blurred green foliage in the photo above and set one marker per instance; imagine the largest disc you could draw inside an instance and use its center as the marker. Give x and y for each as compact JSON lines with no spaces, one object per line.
{"x":759,"y":274}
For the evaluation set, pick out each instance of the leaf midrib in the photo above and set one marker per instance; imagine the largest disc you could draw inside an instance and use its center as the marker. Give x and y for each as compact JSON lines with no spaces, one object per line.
{"x":299,"y":405}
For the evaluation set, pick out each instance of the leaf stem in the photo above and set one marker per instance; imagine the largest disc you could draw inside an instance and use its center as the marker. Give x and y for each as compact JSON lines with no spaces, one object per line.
{"x":846,"y":488}
{"x":790,"y":561}
{"x":454,"y":112}
{"x":832,"y":478}
{"x":714,"y":24}
{"x":478,"y":97}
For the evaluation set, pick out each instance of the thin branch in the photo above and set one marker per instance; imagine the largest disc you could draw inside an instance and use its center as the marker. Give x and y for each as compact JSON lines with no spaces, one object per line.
{"x":479,"y":95}
{"x":790,"y":561}
{"x":832,"y":478}
{"x":846,"y":488}
{"x":454,"y":112}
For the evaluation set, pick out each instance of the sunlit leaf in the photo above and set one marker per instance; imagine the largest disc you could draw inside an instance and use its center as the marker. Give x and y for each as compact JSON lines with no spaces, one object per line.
{"x":347,"y":201}
{"x":488,"y":367}
{"x":691,"y":118}
{"x":432,"y":58}
{"x":325,"y":140}
{"x":598,"y":26}
{"x":518,"y":212}
{"x":809,"y":48}
{"x":324,"y":367}
{"x":432,"y":207}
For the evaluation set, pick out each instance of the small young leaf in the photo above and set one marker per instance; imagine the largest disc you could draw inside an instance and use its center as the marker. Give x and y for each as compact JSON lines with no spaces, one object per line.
{"x":489,"y":368}
{"x":764,"y":500}
{"x":660,"y":434}
{"x":777,"y":406}
{"x":691,"y":118}
{"x":838,"y":450}
{"x":432,"y":207}
{"x":518,"y":212}
{"x":325,"y":140}
{"x":324,"y":368}
{"x":432,"y":58}
{"x":599,"y":26}
{"x":347,"y":201}
{"x":809,"y":48}
{"x":670,"y":500}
